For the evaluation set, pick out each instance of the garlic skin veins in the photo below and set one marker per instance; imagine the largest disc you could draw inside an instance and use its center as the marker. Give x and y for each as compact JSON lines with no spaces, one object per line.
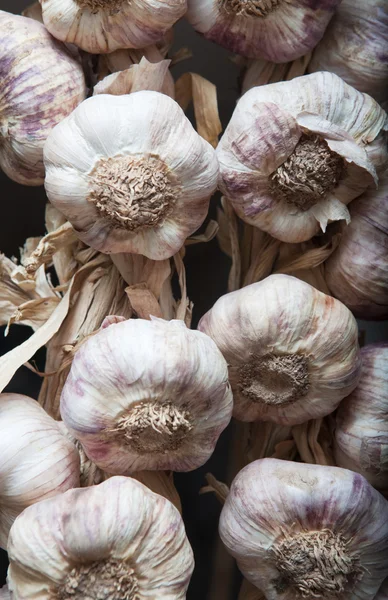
{"x":115,"y":540}
{"x":295,"y":153}
{"x":130,"y":174}
{"x":305,"y":531}
{"x":292,"y":351}
{"x":36,"y":460}
{"x":147,"y":395}
{"x":361,"y":435}
{"x":41,"y":84}
{"x":256,"y":28}
{"x":103,"y":26}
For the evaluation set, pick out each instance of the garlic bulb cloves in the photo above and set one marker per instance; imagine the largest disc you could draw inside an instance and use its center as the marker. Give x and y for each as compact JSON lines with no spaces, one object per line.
{"x":36,"y":460}
{"x":277,"y":30}
{"x":295,"y":153}
{"x":41,"y":84}
{"x":306,"y":531}
{"x":292,"y":351}
{"x":116,"y":540}
{"x":102,"y":26}
{"x":361,"y":435}
{"x":131,"y":174}
{"x":147,"y":395}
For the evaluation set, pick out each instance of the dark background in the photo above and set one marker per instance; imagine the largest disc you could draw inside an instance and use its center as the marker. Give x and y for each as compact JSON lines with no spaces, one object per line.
{"x":22,"y":216}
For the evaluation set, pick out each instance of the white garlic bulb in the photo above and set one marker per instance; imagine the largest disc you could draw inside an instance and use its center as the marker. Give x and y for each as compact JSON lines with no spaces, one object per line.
{"x":147,"y":395}
{"x":361,"y":435}
{"x":305,"y":531}
{"x":36,"y":460}
{"x":348,"y":271}
{"x":277,"y":30}
{"x":130,"y":173}
{"x":100,"y":26}
{"x":292,"y":351}
{"x":117,"y":541}
{"x":295,"y":153}
{"x":41,"y":83}
{"x":355,"y":46}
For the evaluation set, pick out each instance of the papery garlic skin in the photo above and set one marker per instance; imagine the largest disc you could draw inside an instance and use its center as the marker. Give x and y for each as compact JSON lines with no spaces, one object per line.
{"x":147,"y":395}
{"x":295,"y":153}
{"x":131,"y":174}
{"x":101,"y":26}
{"x":361,"y":434}
{"x":305,"y":531}
{"x":292,"y":351}
{"x":277,"y":30}
{"x":41,"y":84}
{"x":116,"y":540}
{"x":36,"y":460}
{"x":357,"y":271}
{"x":355,"y":46}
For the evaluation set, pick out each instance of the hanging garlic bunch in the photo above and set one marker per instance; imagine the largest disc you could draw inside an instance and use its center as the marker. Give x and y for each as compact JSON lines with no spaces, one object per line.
{"x":116,"y":540}
{"x":305,"y":531}
{"x":292,"y":351}
{"x":277,"y":30}
{"x":41,"y":83}
{"x":357,"y":272}
{"x":100,"y":26}
{"x":355,"y":46}
{"x":361,"y":435}
{"x":36,"y":459}
{"x":147,"y":395}
{"x":296,"y":153}
{"x":131,"y":174}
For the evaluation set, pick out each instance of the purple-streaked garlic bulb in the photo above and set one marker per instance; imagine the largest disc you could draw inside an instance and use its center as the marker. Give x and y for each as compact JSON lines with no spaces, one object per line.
{"x":114,"y":541}
{"x":147,"y":395}
{"x":277,"y":30}
{"x":292,"y":351}
{"x":307,"y":531}
{"x":361,"y":435}
{"x":100,"y":26}
{"x":36,"y":460}
{"x":295,"y":153}
{"x":41,"y":83}
{"x":355,"y":46}
{"x":357,"y":271}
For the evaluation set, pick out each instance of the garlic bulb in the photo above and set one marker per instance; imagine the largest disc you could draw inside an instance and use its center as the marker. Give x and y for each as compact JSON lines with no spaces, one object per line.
{"x":361,"y":435}
{"x":130,"y":173}
{"x":41,"y":84}
{"x":100,"y":26}
{"x":277,"y":30}
{"x":355,"y":46}
{"x":117,"y":541}
{"x":292,"y":351}
{"x":36,"y":460}
{"x":305,"y":531}
{"x":147,"y":395}
{"x":295,"y":153}
{"x":348,"y":271}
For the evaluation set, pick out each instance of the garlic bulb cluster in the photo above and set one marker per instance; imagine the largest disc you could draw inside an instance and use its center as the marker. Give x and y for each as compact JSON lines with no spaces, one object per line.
{"x":295,"y":153}
{"x":277,"y":30}
{"x":116,"y":540}
{"x":305,"y":531}
{"x":36,"y":459}
{"x":130,"y":173}
{"x":41,"y":83}
{"x":292,"y":351}
{"x":361,"y":435}
{"x":100,"y":26}
{"x":355,"y":46}
{"x":147,"y":395}
{"x":357,"y":272}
